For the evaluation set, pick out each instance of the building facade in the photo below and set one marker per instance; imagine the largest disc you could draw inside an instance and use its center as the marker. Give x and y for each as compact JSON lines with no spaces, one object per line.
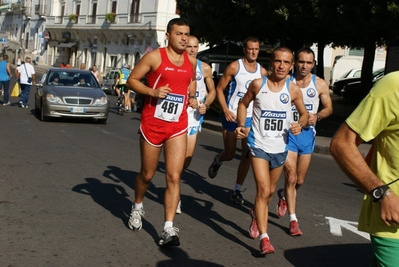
{"x":105,"y":33}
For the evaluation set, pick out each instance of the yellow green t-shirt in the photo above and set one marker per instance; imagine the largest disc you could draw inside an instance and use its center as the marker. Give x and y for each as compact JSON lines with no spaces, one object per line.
{"x":377,"y":117}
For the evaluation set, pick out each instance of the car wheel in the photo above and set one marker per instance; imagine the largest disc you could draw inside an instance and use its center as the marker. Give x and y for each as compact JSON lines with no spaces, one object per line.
{"x":102,"y":121}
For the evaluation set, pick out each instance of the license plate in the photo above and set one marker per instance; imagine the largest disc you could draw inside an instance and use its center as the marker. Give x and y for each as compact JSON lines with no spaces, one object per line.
{"x":78,"y":110}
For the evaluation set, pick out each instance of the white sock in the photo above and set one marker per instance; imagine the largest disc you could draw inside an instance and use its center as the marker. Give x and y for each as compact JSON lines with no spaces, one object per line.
{"x":237,"y":187}
{"x":137,"y":206}
{"x":263,"y":236}
{"x":167,"y":224}
{"x":293,"y":217}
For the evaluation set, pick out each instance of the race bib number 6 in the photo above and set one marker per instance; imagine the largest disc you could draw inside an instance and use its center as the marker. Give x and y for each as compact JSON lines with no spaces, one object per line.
{"x":169,"y":108}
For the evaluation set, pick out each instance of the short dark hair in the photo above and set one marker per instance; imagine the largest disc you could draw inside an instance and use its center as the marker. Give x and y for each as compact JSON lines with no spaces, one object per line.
{"x":176,"y":21}
{"x":282,"y":49}
{"x":5,"y":57}
{"x":250,"y":39}
{"x":305,"y":50}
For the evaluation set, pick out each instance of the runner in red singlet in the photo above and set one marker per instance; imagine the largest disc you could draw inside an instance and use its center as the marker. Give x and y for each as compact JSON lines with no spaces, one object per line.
{"x":171,"y":88}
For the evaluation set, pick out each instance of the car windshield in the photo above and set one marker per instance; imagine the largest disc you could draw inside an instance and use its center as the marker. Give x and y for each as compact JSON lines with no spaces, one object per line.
{"x":71,"y":78}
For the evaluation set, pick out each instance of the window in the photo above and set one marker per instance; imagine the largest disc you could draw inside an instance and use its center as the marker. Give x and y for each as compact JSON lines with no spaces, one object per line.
{"x":113,"y":61}
{"x":92,"y":18}
{"x":113,"y":8}
{"x":135,"y":11}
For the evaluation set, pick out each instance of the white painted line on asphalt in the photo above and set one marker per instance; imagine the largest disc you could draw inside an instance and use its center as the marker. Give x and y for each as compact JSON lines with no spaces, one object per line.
{"x":336,"y":226}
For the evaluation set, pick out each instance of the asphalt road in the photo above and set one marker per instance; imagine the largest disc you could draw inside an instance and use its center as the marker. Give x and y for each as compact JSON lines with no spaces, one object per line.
{"x":66,"y":190}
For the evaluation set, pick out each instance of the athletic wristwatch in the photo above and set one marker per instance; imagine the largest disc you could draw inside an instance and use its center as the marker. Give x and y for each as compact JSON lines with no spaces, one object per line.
{"x":318,"y":117}
{"x":380,"y":192}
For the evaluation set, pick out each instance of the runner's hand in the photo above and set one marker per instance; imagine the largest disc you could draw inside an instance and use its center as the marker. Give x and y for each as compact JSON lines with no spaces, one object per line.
{"x":240,"y":132}
{"x":161,"y":92}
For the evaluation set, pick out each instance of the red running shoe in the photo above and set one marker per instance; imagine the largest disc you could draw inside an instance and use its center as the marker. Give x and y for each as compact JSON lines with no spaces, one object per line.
{"x":294,"y":229}
{"x":281,"y":207}
{"x":253,"y":227}
{"x":266,"y":247}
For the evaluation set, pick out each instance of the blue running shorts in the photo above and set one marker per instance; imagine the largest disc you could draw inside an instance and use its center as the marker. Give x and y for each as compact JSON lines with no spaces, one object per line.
{"x":303,"y":143}
{"x":275,"y":160}
{"x":231,"y":126}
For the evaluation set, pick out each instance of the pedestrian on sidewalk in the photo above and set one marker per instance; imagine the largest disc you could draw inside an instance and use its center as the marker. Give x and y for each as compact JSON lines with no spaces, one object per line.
{"x":238,"y":76}
{"x":267,"y":139}
{"x":5,"y":75}
{"x":26,"y":74}
{"x":375,"y":118}
{"x":170,"y":75}
{"x":300,"y":147}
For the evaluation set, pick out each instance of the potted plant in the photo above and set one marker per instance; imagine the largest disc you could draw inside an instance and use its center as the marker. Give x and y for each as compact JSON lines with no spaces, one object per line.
{"x":110,"y":17}
{"x":73,"y":17}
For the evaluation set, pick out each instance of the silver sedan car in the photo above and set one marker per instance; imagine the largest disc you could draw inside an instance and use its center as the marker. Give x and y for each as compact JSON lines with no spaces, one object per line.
{"x":70,"y":93}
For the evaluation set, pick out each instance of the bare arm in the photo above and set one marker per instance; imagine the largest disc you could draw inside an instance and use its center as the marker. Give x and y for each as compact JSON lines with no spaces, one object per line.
{"x":228,"y":74}
{"x":192,"y":102}
{"x":249,"y":96}
{"x":324,"y":94}
{"x":148,"y":63}
{"x":207,"y":71}
{"x":296,"y":97}
{"x":344,"y":149}
{"x":9,"y":70}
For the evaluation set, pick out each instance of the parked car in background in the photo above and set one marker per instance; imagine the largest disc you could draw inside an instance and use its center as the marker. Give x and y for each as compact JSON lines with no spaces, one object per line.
{"x":339,"y":85}
{"x":352,"y":74}
{"x":108,"y":84}
{"x":354,"y":92}
{"x":70,"y":93}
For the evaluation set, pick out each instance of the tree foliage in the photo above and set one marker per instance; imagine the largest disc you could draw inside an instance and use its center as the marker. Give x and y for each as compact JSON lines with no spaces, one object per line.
{"x":356,"y":24}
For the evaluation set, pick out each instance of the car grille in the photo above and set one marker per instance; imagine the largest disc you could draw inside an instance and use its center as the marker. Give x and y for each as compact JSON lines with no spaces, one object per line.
{"x":78,"y":101}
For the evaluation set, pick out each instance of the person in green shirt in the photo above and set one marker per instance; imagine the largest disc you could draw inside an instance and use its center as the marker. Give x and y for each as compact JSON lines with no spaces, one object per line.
{"x":376,"y":118}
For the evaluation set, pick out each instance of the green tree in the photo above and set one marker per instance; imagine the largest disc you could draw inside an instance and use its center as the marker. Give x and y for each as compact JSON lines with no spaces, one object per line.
{"x":356,"y":24}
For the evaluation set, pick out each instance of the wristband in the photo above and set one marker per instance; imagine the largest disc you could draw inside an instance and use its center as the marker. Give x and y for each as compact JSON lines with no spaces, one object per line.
{"x":192,"y":96}
{"x":207,"y":107}
{"x":318,"y":117}
{"x":242,"y":126}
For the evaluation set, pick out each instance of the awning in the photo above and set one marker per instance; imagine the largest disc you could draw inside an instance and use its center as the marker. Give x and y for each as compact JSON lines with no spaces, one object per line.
{"x":68,"y":45}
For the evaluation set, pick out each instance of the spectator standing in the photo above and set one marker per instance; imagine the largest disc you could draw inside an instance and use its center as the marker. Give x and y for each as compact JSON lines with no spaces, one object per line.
{"x":5,"y":75}
{"x":375,"y":118}
{"x":239,"y":74}
{"x":267,"y":139}
{"x":170,"y":75}
{"x":26,"y":74}
{"x":300,"y":147}
{"x":82,"y":66}
{"x":97,"y":74}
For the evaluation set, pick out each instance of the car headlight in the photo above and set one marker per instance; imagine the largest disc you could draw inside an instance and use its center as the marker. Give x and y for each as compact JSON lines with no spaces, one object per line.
{"x":101,"y":101}
{"x":53,"y":99}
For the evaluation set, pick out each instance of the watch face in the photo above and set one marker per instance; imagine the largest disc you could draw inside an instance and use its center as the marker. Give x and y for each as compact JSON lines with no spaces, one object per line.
{"x":377,"y":193}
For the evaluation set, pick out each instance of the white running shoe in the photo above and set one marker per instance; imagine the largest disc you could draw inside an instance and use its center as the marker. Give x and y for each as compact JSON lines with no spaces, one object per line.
{"x":169,"y":237}
{"x":135,"y":222}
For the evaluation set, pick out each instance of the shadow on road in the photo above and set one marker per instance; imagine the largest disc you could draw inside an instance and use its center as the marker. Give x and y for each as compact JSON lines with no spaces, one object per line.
{"x":331,"y":255}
